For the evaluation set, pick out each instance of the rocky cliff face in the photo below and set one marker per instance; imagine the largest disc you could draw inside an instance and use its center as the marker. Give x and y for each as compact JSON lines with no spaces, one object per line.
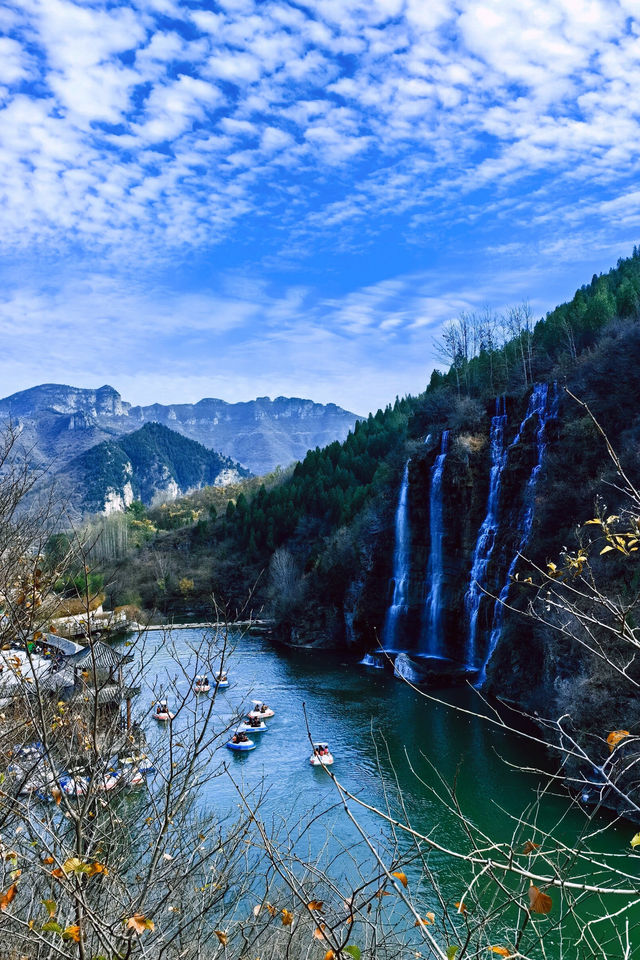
{"x":153,"y":464}
{"x":60,"y":422}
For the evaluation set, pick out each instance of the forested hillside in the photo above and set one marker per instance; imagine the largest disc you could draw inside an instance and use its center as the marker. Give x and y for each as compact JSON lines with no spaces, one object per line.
{"x":153,"y":462}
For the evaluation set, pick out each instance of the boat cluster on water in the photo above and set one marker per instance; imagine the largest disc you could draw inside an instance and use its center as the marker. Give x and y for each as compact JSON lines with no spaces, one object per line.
{"x":35,"y":774}
{"x":253,"y":723}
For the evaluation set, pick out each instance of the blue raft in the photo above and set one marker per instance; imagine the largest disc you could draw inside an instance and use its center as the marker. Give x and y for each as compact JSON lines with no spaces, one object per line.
{"x":241,"y":747}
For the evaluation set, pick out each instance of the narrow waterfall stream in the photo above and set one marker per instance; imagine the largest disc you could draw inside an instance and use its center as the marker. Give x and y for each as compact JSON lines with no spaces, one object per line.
{"x":400,"y":566}
{"x":433,"y":644}
{"x":487,"y":534}
{"x":543,"y":403}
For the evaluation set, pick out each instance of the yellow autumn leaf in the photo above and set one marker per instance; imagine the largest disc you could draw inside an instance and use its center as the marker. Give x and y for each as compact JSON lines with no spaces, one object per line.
{"x":402,"y":877}
{"x":426,"y":921}
{"x":615,"y":737}
{"x":72,"y":933}
{"x":501,"y":951}
{"x":319,"y":932}
{"x":315,"y":904}
{"x":222,"y":937}
{"x":329,"y":955}
{"x":461,"y":907}
{"x":287,"y":917}
{"x":139,"y":923}
{"x":94,"y":868}
{"x":635,"y":841}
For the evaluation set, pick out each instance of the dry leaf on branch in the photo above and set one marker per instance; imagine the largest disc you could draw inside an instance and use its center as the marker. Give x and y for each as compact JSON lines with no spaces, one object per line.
{"x":539,"y":902}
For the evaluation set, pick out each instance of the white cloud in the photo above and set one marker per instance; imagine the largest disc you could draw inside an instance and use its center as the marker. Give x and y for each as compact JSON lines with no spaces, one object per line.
{"x":13,"y":61}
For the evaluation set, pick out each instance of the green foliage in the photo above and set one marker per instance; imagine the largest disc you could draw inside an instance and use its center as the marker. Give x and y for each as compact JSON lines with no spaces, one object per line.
{"x":57,"y":549}
{"x":77,"y":584}
{"x":142,"y":459}
{"x":531,"y":353}
{"x":326,"y":491}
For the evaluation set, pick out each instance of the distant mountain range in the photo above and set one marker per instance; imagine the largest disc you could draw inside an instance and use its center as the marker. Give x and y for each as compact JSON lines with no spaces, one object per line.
{"x":106,"y":452}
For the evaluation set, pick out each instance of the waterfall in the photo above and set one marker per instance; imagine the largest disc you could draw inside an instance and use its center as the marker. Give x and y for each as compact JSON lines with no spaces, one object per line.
{"x":436,"y":533}
{"x":544,"y":405}
{"x":400,"y":566}
{"x":487,"y":534}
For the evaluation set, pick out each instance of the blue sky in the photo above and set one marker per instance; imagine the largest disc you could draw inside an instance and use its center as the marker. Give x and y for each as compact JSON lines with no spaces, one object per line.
{"x":252,"y":198}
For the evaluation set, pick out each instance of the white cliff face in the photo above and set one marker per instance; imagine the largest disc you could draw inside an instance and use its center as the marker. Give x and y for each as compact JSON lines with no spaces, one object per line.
{"x":118,"y":502}
{"x":172,"y":490}
{"x":226,"y":477}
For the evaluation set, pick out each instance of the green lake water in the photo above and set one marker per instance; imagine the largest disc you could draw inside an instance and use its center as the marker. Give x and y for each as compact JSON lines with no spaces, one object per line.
{"x":386,"y":739}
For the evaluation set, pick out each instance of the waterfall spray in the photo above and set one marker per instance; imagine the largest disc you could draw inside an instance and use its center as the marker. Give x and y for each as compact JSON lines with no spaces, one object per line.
{"x":487,"y":534}
{"x":399,"y":601}
{"x":544,"y":404}
{"x":433,"y":611}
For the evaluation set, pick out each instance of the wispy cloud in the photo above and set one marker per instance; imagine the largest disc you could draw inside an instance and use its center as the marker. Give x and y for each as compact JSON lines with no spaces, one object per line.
{"x":244,"y":340}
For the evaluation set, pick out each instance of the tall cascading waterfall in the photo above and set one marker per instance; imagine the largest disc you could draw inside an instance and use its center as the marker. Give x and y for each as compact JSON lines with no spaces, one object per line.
{"x":487,"y":534}
{"x":400,"y":566}
{"x":433,"y":641}
{"x":543,"y":403}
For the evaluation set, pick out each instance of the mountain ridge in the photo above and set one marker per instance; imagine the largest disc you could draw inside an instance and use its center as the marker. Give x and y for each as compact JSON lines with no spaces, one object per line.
{"x":60,"y":421}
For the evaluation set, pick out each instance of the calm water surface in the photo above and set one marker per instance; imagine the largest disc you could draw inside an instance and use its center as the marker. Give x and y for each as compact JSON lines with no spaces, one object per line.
{"x":387,"y":740}
{"x":378,"y":729}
